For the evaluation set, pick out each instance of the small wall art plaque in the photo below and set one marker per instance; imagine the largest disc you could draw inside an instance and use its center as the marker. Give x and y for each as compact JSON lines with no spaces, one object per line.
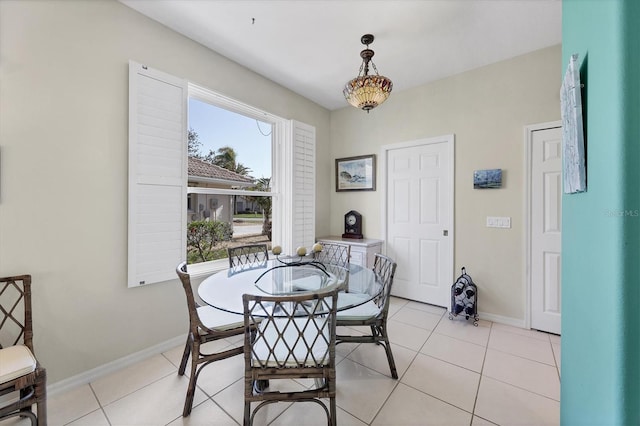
{"x":490,"y":178}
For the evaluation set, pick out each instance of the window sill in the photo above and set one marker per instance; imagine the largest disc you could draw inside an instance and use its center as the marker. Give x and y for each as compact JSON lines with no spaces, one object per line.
{"x":204,"y":269}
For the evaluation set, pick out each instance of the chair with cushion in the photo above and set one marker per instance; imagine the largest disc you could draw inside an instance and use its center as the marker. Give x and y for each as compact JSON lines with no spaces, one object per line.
{"x":206,"y":324}
{"x":248,"y":255}
{"x":295,"y":339}
{"x":374,"y":313}
{"x":23,"y":381}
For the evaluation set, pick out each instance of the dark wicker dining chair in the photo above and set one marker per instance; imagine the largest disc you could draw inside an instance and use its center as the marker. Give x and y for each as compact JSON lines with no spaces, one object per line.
{"x":297,"y":343}
{"x":206,"y":324}
{"x":334,"y":254}
{"x":20,"y":371}
{"x":247,"y":255}
{"x":374,"y":313}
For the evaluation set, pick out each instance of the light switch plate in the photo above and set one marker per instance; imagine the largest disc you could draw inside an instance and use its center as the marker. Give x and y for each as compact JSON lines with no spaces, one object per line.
{"x":498,"y":222}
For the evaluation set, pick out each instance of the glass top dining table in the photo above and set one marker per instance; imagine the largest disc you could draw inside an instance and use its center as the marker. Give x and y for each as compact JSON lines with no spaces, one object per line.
{"x":224,"y":290}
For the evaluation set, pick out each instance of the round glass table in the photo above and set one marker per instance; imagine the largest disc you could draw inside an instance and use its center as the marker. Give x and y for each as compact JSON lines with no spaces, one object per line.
{"x":224,"y":289}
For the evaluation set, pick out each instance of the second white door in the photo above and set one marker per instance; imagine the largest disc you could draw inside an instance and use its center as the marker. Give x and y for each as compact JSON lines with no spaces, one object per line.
{"x":546,"y":232}
{"x":419,"y":218}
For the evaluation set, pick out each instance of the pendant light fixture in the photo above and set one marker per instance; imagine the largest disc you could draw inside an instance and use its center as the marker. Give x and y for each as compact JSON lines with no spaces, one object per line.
{"x":367,"y":91}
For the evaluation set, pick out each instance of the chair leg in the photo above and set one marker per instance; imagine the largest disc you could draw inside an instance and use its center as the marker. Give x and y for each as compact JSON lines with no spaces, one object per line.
{"x":42,"y":413}
{"x":185,"y":355}
{"x":247,"y":414}
{"x":387,"y":347}
{"x":374,"y":331}
{"x":333,"y":421}
{"x":41,"y":397}
{"x":191,"y":389}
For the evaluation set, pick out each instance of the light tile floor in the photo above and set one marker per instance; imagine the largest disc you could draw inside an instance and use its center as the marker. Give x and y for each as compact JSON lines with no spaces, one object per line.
{"x":451,"y":373}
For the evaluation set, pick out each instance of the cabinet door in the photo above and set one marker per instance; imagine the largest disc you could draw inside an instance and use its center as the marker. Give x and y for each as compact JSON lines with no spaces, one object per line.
{"x":358,"y":257}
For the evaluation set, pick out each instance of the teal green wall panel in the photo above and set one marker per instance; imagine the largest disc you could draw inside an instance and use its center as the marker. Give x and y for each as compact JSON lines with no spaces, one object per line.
{"x":631,"y":282}
{"x":601,"y":238}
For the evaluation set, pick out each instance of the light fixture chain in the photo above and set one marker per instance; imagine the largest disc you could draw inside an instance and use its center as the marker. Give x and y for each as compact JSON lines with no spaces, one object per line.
{"x":375,"y":68}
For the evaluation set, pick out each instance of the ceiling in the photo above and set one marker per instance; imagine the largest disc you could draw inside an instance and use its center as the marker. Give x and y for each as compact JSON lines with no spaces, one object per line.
{"x":313,"y":47}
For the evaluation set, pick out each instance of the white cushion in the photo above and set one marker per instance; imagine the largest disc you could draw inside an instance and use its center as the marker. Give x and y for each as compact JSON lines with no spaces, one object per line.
{"x":307,"y":283}
{"x":15,"y":361}
{"x":270,"y":336}
{"x":360,"y":312}
{"x":216,"y":319}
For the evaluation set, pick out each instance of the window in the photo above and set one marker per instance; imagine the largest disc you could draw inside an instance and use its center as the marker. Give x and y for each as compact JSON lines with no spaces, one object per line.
{"x":158,"y":159}
{"x":227,"y":150}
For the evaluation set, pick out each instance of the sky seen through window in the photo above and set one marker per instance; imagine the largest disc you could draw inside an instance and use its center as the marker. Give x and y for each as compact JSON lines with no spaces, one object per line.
{"x":217,"y":127}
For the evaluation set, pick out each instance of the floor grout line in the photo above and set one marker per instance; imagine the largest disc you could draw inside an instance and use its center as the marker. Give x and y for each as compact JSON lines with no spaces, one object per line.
{"x":484,"y":359}
{"x":431,"y":332}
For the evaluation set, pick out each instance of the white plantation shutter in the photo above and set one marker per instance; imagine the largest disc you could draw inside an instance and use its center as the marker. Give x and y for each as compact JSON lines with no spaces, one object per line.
{"x":157,"y":174}
{"x":303,"y":194}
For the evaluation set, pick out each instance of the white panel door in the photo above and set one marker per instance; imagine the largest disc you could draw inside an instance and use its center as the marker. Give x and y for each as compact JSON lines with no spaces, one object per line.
{"x":419,"y":219}
{"x":546,"y":220}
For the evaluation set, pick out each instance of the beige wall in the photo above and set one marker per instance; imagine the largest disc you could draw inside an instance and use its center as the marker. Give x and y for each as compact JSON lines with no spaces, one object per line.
{"x":486,"y":109}
{"x":63,"y":182}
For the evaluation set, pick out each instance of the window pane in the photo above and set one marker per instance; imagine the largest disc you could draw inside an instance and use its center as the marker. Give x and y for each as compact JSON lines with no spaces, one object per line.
{"x":218,"y":128}
{"x":227,"y":151}
{"x":209,"y":233}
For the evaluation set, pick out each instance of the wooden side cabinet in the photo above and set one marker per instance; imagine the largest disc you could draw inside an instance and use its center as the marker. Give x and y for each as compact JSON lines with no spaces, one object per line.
{"x":362,"y":250}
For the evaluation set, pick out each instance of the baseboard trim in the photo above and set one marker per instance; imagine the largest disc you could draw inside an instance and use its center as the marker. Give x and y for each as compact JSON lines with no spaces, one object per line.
{"x":118,"y":364}
{"x":113,"y":366}
{"x":515,"y":322}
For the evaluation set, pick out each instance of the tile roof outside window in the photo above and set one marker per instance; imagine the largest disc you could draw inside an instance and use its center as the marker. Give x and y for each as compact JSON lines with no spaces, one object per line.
{"x":199,"y":168}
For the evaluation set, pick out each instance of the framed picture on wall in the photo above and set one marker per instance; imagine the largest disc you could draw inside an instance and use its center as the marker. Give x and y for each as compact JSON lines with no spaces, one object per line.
{"x":356,"y":173}
{"x":573,"y":143}
{"x":490,"y":178}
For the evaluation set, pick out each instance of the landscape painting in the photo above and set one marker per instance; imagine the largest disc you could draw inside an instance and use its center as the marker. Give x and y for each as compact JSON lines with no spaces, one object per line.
{"x":356,"y":173}
{"x":491,"y":178}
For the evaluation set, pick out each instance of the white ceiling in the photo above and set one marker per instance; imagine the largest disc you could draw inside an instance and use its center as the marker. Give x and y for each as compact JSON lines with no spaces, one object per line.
{"x":313,"y":47}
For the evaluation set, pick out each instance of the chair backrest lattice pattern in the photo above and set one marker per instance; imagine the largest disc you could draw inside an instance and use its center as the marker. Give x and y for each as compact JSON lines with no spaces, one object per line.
{"x":298,"y":331}
{"x":296,"y":338}
{"x":384,"y":268}
{"x":248,"y":255}
{"x":334,"y":254}
{"x":15,"y":311}
{"x":23,"y":381}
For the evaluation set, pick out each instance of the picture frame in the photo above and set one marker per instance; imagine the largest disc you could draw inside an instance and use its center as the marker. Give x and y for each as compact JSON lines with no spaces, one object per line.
{"x":356,"y":173}
{"x":487,"y":179}
{"x":573,"y":139}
